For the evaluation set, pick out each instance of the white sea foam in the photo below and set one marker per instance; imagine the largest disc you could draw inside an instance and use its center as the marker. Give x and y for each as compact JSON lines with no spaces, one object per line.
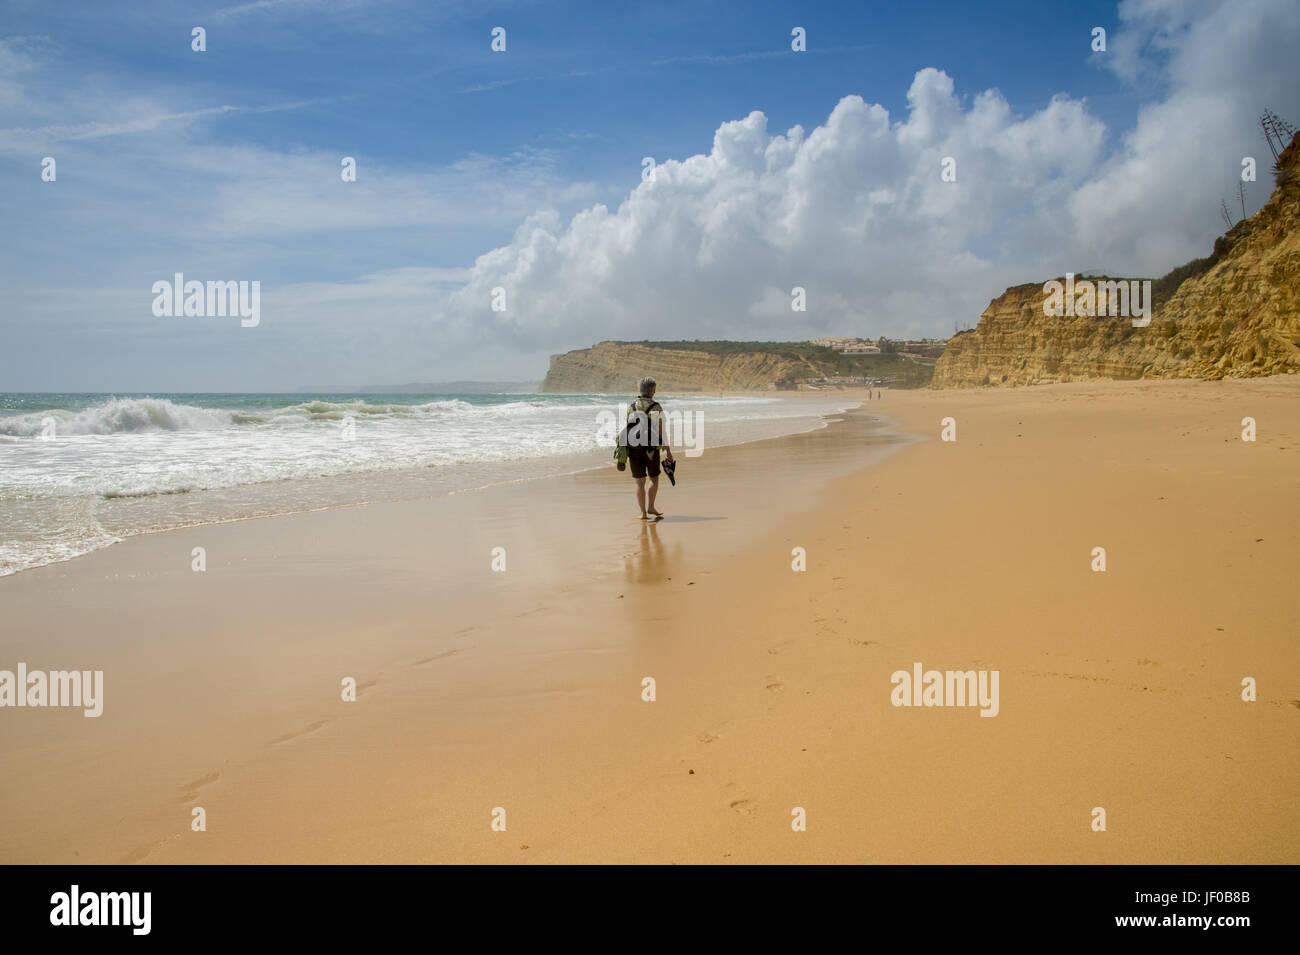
{"x":118,"y":415}
{"x":117,"y":466}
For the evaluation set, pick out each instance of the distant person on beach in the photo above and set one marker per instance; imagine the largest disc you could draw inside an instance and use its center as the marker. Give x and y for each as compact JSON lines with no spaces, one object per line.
{"x":647,"y":435}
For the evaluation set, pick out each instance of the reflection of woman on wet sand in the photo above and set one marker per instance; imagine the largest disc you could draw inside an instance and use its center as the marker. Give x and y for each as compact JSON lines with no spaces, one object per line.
{"x":651,"y":564}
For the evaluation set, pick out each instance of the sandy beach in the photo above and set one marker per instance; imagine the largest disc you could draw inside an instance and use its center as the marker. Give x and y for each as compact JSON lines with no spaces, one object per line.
{"x":523,"y":689}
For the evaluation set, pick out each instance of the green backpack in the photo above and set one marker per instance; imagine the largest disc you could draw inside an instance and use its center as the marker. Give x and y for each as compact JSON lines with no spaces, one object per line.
{"x":643,"y":406}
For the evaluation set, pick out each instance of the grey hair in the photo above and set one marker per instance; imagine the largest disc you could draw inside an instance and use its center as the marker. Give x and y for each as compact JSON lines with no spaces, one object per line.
{"x":645,"y":386}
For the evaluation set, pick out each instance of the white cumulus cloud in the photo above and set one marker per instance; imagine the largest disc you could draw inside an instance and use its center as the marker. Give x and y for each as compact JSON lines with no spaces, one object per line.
{"x":856,"y":212}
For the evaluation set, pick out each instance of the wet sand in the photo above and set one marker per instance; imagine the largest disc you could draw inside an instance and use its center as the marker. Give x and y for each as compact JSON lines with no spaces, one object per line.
{"x":523,"y":689}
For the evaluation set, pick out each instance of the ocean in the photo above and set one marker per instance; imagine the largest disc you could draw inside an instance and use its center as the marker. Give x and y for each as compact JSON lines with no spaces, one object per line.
{"x":83,"y":471}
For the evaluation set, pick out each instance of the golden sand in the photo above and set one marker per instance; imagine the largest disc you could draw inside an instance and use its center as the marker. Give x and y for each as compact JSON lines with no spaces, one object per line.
{"x":523,"y":690}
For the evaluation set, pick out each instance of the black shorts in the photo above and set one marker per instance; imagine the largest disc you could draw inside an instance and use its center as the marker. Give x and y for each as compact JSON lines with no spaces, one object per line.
{"x":642,"y":461}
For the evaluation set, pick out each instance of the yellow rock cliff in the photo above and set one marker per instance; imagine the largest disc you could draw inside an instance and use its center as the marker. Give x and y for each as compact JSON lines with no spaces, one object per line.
{"x":614,"y":367}
{"x":1238,"y":319}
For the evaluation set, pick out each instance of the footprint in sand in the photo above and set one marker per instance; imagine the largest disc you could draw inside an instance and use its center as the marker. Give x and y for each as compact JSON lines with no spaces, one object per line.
{"x":191,"y":790}
{"x":144,"y":851}
{"x":775,"y":687}
{"x":746,"y":807}
{"x":436,"y":656}
{"x":138,"y":854}
{"x":302,"y":732}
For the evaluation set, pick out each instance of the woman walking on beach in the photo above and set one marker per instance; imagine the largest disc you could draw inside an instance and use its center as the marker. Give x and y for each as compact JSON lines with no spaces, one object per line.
{"x":647,"y":435}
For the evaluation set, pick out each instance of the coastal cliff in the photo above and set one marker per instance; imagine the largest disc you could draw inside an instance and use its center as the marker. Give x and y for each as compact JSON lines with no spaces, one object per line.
{"x":614,"y":367}
{"x":725,"y":367}
{"x":1236,"y":314}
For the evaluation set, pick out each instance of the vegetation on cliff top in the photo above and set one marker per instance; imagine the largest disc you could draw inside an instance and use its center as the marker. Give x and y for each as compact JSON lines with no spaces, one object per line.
{"x":815,"y":361}
{"x":795,"y":350}
{"x":1283,"y":143}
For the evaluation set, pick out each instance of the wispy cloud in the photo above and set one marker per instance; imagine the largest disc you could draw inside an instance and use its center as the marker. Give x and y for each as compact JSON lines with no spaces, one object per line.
{"x":497,"y":84}
{"x":271,"y":7}
{"x":493,"y":85}
{"x":724,"y":58}
{"x":18,"y":137}
{"x":19,"y":54}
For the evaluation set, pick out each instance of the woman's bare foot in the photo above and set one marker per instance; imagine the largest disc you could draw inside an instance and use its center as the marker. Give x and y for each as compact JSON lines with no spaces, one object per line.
{"x":656,"y":513}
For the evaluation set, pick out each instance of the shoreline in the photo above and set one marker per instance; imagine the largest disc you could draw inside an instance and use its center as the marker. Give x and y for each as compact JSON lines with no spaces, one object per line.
{"x":152,"y":592}
{"x":401,"y":484}
{"x":523,"y":690}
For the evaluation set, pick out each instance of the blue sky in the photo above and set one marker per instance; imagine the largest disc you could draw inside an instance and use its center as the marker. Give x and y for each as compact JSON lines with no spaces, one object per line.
{"x":225,"y":165}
